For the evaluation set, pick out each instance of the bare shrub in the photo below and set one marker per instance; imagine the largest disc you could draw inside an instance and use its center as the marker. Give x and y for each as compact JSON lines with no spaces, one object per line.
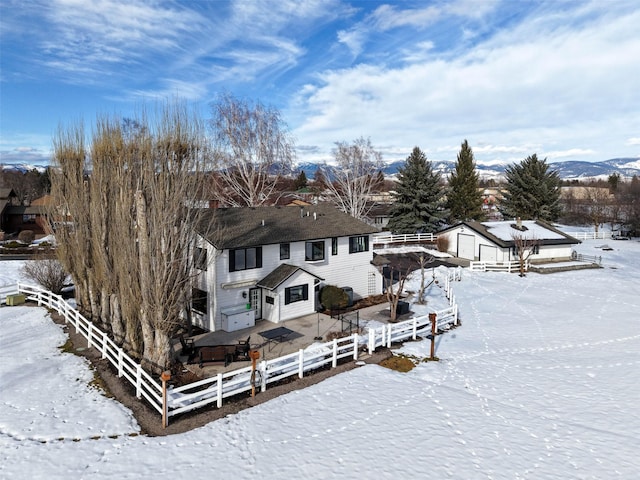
{"x":26,"y":236}
{"x":442,"y":243}
{"x":48,"y":272}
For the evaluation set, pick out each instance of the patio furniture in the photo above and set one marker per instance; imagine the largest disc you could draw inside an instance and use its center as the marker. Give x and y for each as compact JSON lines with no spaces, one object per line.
{"x":242,"y":349}
{"x":216,"y":354}
{"x":276,"y":335}
{"x":188,"y":347}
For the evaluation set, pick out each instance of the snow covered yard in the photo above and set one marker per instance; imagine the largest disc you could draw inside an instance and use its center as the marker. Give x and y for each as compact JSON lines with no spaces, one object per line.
{"x":542,"y":380}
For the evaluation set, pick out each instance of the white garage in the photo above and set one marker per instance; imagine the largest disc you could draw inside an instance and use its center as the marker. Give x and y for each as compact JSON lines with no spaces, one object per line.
{"x":495,"y":241}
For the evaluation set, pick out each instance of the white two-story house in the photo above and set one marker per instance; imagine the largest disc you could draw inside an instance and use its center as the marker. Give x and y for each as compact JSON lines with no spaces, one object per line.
{"x":270,"y":262}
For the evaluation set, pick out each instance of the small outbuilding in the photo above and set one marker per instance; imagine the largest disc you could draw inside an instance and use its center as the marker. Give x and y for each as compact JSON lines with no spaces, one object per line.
{"x":496,"y":241}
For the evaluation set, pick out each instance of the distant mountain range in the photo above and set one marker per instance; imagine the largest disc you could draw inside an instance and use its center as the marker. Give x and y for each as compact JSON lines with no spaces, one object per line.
{"x":569,"y":170}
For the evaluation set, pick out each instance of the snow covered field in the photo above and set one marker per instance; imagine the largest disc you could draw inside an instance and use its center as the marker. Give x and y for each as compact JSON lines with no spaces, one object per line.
{"x":542,"y":380}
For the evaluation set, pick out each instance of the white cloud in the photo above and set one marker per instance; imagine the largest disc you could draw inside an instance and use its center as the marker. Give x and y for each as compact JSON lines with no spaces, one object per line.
{"x":563,"y":88}
{"x":633,"y":141}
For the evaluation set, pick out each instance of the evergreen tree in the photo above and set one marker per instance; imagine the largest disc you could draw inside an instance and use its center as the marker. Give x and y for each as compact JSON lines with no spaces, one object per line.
{"x":418,"y":205}
{"x":533,"y":192}
{"x":301,"y":181}
{"x":464,"y":199}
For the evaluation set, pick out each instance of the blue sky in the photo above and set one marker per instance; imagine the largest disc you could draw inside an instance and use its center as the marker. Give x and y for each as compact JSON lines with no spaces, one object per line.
{"x":558,"y":78}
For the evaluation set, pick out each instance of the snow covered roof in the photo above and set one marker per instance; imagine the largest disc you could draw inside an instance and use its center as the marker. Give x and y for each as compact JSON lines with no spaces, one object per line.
{"x":502,"y":233}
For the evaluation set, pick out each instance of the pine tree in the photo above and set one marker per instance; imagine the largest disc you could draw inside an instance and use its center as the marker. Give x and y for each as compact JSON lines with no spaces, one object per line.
{"x":533,"y":192}
{"x":301,"y":181}
{"x":464,"y":199}
{"x":418,"y":205}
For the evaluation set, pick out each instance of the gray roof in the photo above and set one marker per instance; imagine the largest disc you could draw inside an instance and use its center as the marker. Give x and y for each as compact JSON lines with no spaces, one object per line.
{"x":485,"y":231}
{"x":279,"y":275}
{"x":254,"y":226}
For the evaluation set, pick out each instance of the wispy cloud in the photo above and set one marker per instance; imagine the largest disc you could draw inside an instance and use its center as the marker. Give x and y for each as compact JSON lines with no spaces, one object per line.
{"x":539,"y":81}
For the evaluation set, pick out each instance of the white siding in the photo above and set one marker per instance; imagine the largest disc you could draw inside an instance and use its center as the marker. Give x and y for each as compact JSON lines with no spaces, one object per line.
{"x":343,"y":270}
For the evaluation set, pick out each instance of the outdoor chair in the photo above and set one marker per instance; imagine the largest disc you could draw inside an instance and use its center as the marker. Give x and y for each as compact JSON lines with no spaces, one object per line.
{"x":188,"y":347}
{"x":242,"y":349}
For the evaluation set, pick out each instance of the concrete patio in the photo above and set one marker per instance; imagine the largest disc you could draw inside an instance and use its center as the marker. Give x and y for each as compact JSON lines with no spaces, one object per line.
{"x":305,"y":330}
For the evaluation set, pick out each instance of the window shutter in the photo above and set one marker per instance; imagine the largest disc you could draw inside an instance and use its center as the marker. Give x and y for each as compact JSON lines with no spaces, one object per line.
{"x":232,"y":260}
{"x":305,"y":292}
{"x":287,"y":296}
{"x":259,"y":257}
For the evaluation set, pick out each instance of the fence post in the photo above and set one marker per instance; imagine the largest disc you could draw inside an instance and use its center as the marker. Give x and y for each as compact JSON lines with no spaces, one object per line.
{"x":166,"y":375}
{"x":455,"y":314}
{"x":334,"y":361}
{"x":105,"y":339}
{"x":120,"y":363}
{"x":388,"y":342}
{"x":432,"y":319}
{"x":372,"y":340}
{"x":138,"y":381}
{"x":355,"y":346}
{"x":89,"y":334}
{"x":415,"y":328}
{"x":219,"y":388}
{"x":263,"y":371}
{"x":301,"y":363}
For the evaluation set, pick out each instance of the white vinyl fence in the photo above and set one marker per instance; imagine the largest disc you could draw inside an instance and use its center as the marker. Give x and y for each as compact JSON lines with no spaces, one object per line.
{"x":146,"y":386}
{"x":580,"y":257}
{"x":590,"y":235}
{"x":486,"y":266}
{"x":387,"y":238}
{"x":215,"y":389}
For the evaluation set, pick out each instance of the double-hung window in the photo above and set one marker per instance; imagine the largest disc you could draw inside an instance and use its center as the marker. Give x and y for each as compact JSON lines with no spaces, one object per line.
{"x":359,"y":244}
{"x":200,"y":258}
{"x":285,"y":251}
{"x":314,"y":251}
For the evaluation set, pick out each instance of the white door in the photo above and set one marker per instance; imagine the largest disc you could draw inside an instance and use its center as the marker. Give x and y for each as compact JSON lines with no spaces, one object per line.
{"x":488,"y":253}
{"x":255,"y":297}
{"x":466,"y":246}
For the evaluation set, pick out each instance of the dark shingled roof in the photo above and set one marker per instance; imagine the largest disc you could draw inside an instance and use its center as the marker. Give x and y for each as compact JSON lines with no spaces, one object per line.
{"x":254,"y":226}
{"x":279,"y":275}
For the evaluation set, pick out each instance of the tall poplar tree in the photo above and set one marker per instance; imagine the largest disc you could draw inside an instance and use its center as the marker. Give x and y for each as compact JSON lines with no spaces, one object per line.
{"x":464,"y":200}
{"x":533,"y":191}
{"x":418,"y":205}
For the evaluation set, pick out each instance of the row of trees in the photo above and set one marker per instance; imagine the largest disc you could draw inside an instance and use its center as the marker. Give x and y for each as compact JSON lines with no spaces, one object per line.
{"x":424,"y":203}
{"x":127,"y":193}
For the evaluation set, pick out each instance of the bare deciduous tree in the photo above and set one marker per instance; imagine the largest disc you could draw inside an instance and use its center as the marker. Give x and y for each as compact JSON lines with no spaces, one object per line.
{"x":132,"y":226}
{"x":354,"y":177}
{"x":423,"y":260}
{"x":394,"y":290}
{"x":252,"y":145}
{"x":525,"y":246}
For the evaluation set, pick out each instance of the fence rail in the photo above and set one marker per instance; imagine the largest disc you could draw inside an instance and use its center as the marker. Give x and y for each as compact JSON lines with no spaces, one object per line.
{"x":214,"y":390}
{"x":580,"y":257}
{"x":386,"y":238}
{"x":486,"y":266}
{"x":146,"y":386}
{"x":590,"y":235}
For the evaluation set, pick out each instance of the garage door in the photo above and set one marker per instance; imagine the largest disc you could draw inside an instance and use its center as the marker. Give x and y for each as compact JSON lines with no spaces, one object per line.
{"x":488,"y":253}
{"x":466,"y":246}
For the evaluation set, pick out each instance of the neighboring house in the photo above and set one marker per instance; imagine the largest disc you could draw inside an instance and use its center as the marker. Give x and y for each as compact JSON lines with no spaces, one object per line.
{"x":15,"y":217}
{"x":379,"y":215}
{"x":494,"y":241}
{"x":270,"y":263}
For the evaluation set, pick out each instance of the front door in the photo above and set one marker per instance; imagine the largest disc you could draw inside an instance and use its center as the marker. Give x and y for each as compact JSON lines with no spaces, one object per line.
{"x":255,"y":297}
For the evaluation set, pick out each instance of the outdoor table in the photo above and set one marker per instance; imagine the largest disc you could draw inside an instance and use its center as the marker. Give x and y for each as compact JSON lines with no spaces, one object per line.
{"x":276,"y":335}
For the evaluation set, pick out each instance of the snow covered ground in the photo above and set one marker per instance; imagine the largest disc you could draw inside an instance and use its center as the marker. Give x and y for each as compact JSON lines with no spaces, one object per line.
{"x":542,"y":380}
